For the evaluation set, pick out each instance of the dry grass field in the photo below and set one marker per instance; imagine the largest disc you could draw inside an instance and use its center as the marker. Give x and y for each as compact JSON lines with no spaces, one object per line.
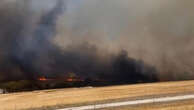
{"x":81,"y":96}
{"x":180,"y":105}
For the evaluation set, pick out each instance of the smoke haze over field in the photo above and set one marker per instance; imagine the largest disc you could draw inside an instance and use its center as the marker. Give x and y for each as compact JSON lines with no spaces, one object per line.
{"x":118,"y":40}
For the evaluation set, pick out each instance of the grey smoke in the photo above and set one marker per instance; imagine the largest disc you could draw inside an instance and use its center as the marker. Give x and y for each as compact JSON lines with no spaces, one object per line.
{"x":94,"y":33}
{"x":158,"y":32}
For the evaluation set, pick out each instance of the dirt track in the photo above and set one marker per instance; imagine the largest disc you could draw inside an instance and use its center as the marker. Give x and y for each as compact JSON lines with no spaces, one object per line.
{"x":135,"y":102}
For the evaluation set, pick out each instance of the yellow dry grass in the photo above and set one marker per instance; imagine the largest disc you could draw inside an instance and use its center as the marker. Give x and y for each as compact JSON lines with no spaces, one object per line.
{"x":180,"y":105}
{"x":39,"y":99}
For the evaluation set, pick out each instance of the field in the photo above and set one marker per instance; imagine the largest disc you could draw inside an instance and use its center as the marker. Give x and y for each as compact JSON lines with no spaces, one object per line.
{"x":180,"y":105}
{"x":89,"y":95}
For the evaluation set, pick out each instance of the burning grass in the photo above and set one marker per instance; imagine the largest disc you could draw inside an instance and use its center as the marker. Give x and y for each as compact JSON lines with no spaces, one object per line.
{"x":84,"y":96}
{"x":49,"y":83}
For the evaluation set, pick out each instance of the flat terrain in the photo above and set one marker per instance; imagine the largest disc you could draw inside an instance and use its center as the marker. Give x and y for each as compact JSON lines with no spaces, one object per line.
{"x":179,"y":105}
{"x":83,"y":96}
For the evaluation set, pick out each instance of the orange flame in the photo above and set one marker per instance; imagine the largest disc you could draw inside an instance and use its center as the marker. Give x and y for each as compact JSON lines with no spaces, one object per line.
{"x":42,"y":79}
{"x":70,"y":79}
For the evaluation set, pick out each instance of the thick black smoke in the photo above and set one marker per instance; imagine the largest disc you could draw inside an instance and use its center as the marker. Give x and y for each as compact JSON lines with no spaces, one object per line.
{"x":117,"y":68}
{"x":27,"y":51}
{"x":35,"y":60}
{"x":21,"y":46}
{"x":12,"y":23}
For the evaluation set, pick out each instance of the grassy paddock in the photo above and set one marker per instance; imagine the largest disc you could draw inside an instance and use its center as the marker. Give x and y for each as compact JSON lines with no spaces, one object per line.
{"x":84,"y":96}
{"x":179,"y":105}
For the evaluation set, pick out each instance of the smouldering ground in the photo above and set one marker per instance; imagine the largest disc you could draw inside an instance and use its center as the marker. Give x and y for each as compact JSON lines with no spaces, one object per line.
{"x":83,"y":96}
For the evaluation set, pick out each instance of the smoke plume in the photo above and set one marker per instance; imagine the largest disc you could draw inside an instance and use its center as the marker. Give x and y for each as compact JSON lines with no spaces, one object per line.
{"x":116,"y":40}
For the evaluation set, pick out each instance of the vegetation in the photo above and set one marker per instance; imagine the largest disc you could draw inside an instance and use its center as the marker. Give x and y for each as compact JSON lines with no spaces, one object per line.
{"x":16,"y":86}
{"x":84,"y":96}
{"x":179,"y":105}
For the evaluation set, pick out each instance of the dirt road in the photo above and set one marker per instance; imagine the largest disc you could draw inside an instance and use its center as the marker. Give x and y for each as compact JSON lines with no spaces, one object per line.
{"x":135,"y":102}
